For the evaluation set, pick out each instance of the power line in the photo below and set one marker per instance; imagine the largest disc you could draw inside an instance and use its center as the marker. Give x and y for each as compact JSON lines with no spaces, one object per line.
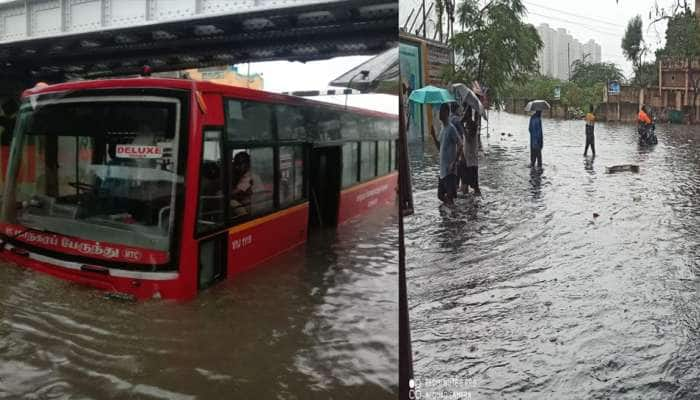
{"x":592,"y":19}
{"x":578,"y":23}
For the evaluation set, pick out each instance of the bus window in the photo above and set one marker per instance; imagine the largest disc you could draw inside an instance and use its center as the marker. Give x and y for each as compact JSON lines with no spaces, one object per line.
{"x":252,"y":182}
{"x":247,"y":120}
{"x":350,"y":166}
{"x":211,"y":186}
{"x":350,"y":126}
{"x":291,"y":185}
{"x":382,"y":158}
{"x":290,"y":123}
{"x":324,"y":124}
{"x":368,"y":160}
{"x":105,"y":170}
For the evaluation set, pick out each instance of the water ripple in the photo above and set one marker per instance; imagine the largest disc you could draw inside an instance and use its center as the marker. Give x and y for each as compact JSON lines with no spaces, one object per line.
{"x":569,"y":284}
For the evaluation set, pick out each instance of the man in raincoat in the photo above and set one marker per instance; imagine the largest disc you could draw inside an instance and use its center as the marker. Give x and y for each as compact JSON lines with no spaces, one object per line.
{"x":536,"y":141}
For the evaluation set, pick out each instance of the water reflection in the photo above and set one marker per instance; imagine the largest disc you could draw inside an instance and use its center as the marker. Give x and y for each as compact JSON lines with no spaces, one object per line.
{"x":573,"y":283}
{"x":314,"y":323}
{"x":536,"y":183}
{"x":588,"y":164}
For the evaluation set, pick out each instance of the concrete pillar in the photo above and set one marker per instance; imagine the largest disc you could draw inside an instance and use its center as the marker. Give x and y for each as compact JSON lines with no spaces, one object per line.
{"x":641,"y":98}
{"x":679,"y":100}
{"x":665,"y":95}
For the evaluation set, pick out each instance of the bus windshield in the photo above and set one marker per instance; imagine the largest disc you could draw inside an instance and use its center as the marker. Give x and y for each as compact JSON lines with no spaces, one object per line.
{"x":102,"y":169}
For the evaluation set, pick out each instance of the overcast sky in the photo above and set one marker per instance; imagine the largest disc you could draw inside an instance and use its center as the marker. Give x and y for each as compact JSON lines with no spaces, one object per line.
{"x":283,"y":76}
{"x":601,"y":20}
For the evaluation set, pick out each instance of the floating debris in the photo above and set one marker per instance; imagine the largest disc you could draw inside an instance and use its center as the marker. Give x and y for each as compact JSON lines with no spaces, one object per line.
{"x":596,"y":215}
{"x":622,"y":168}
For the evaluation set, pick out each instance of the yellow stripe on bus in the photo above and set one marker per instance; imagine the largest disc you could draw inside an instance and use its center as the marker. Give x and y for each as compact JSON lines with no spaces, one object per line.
{"x":267,"y":218}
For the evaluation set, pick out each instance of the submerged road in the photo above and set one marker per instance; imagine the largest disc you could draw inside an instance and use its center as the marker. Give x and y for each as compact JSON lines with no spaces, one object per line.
{"x":315,"y":323}
{"x":568,"y":284}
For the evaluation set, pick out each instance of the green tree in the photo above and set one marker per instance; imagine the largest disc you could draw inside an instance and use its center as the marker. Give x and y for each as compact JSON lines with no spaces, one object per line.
{"x":495,"y":46}
{"x":535,"y":87}
{"x":682,"y":37}
{"x":648,"y":74}
{"x":588,"y":74}
{"x":633,"y":44}
{"x":573,"y":94}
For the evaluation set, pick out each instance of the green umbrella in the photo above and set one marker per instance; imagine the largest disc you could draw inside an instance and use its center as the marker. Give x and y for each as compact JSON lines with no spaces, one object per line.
{"x":431,"y":95}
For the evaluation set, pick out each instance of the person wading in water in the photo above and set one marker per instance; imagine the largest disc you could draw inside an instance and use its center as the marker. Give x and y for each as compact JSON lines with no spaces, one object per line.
{"x":590,"y":124}
{"x":450,"y":145}
{"x":536,"y":140}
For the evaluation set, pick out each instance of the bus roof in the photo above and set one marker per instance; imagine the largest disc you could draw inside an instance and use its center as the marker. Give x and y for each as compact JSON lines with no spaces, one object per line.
{"x":202,"y":86}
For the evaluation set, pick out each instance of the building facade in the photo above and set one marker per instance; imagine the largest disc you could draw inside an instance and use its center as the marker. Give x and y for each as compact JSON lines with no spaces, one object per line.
{"x":421,"y":62}
{"x":677,"y":83}
{"x":226,"y":75}
{"x":560,"y":50}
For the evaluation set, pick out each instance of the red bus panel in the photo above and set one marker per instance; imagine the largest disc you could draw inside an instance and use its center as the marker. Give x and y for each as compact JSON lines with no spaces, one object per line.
{"x":361,"y":198}
{"x":253,"y":242}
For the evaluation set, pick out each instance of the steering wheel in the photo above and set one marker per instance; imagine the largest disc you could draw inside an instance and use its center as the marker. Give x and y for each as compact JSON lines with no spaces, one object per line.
{"x":85,"y":187}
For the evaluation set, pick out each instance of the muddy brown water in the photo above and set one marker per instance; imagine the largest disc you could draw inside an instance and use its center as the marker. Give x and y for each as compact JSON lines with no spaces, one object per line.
{"x":319,"y":322}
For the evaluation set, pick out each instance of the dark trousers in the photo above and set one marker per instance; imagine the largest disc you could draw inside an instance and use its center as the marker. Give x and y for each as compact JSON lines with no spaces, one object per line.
{"x":590,"y":140}
{"x":447,"y":188}
{"x":471,"y":178}
{"x":536,"y":155}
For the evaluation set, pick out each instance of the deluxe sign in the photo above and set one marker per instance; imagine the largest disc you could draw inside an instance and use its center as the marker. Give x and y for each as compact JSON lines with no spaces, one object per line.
{"x":139,"y":151}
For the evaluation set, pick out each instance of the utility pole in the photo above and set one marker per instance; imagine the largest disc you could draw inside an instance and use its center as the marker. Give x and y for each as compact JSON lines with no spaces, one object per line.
{"x":424,"y":24}
{"x":568,"y":58}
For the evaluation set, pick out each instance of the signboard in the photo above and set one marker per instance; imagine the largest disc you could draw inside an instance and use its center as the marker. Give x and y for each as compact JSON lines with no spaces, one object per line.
{"x":439,"y":56}
{"x":411,"y":76}
{"x":557,"y":93}
{"x":613,"y":87}
{"x":138,"y":151}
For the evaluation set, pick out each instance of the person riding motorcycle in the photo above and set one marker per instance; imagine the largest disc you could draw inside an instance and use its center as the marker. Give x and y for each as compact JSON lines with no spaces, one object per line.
{"x":643,"y":117}
{"x":646,"y":126}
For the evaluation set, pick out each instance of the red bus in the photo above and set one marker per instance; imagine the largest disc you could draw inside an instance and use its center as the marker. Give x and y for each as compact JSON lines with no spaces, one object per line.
{"x":158,"y":188}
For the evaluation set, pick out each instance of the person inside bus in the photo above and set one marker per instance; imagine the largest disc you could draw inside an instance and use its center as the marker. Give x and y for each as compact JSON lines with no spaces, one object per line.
{"x":245,"y":182}
{"x":211,"y":192}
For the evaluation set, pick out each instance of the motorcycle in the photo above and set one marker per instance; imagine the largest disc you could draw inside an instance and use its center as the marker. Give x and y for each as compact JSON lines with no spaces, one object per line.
{"x":647,"y":134}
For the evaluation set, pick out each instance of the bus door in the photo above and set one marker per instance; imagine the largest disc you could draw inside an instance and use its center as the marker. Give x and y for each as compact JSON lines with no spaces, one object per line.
{"x":211,"y":216}
{"x":324,"y":186}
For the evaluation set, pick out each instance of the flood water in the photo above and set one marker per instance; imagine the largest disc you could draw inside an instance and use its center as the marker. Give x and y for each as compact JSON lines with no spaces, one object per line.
{"x":526,"y":294}
{"x":319,"y":322}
